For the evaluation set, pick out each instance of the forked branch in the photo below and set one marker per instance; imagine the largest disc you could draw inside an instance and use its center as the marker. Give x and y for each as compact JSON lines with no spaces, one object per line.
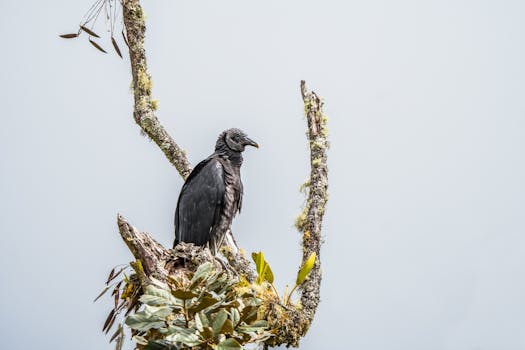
{"x":154,"y":257}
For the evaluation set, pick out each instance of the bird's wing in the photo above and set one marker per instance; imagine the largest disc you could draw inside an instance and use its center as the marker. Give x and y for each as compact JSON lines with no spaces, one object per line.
{"x":200,"y":203}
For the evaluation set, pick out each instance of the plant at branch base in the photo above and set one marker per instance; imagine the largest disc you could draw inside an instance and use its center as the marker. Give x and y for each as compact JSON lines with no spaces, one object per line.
{"x":207,"y":309}
{"x":111,"y":11}
{"x":265,"y":274}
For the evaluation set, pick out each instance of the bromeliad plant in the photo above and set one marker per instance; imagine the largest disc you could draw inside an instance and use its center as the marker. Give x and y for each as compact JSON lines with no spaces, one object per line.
{"x":205,"y":309}
{"x":209,"y":311}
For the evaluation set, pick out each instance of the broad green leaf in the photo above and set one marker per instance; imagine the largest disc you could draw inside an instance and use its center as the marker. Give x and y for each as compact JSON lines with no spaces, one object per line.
{"x":229,"y":344}
{"x":144,"y":322}
{"x":227,"y":328}
{"x":260,"y":323}
{"x":155,"y":296}
{"x":207,"y":333}
{"x":206,"y":302}
{"x":183,"y":294}
{"x":305,"y":269}
{"x":204,"y":319}
{"x":258,"y":258}
{"x":185,"y":336}
{"x":249,"y":314}
{"x":219,"y":320}
{"x":159,"y":311}
{"x":203,"y":272}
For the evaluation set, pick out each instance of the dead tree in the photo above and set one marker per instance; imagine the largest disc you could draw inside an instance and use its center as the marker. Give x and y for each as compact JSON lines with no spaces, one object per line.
{"x":156,"y":266}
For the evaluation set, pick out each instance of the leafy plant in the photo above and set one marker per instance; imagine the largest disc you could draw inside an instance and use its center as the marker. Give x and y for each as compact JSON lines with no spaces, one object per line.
{"x":210,"y":311}
{"x":265,"y":274}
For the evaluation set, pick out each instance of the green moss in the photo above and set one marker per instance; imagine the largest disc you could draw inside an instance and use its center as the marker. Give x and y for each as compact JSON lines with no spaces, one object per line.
{"x":154,"y":104}
{"x":144,"y":81}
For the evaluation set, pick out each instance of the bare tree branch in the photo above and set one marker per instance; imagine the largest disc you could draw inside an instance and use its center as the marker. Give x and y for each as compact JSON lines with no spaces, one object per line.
{"x":309,"y":223}
{"x":144,"y":111}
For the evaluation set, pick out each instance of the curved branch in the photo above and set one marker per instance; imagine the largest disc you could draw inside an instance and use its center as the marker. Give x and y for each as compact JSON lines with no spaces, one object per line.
{"x":144,"y":111}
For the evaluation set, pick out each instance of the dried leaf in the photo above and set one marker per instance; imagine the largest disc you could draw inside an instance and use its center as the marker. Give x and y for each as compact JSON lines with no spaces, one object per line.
{"x":110,"y":277}
{"x":115,"y":275}
{"x":89,"y":31}
{"x":102,"y":293}
{"x":115,"y":46}
{"x":97,"y":46}
{"x":117,"y":295}
{"x":108,"y":320}
{"x":116,"y":334}
{"x":69,"y":36}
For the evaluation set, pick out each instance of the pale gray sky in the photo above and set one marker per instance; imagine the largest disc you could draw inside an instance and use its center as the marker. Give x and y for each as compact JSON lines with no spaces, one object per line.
{"x":425,"y":244}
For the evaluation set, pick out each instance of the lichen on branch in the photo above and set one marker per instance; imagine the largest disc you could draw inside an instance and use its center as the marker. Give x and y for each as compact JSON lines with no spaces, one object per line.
{"x":145,"y":105}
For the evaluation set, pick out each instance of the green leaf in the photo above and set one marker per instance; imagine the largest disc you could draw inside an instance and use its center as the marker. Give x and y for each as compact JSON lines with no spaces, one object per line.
{"x":227,"y":328}
{"x":160,"y":312}
{"x":207,"y":333}
{"x":229,"y":344}
{"x":219,"y":320}
{"x":183,"y":294}
{"x":203,"y":272}
{"x":185,"y":336}
{"x":206,"y":302}
{"x":258,"y":258}
{"x":198,"y":323}
{"x":235,"y":316}
{"x":249,"y":314}
{"x":141,"y":321}
{"x":268,"y":274}
{"x":156,"y":297}
{"x":305,"y":269}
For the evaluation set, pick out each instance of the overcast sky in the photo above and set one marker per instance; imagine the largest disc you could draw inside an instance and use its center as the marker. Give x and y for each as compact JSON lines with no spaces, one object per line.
{"x":424,"y":231}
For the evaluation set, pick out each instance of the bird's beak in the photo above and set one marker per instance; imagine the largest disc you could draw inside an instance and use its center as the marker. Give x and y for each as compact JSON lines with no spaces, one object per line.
{"x":250,"y":142}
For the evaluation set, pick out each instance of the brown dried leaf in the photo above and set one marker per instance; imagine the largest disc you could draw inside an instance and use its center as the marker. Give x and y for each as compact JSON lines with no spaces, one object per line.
{"x":110,"y":277}
{"x":117,"y":49}
{"x":89,"y":31}
{"x":69,"y":36}
{"x":109,"y":320}
{"x":102,"y":293}
{"x":116,"y":334}
{"x":115,"y":275}
{"x":125,"y":39}
{"x":97,"y":46}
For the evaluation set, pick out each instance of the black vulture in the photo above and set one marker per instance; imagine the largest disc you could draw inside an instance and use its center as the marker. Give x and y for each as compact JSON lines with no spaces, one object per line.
{"x":212,"y":193}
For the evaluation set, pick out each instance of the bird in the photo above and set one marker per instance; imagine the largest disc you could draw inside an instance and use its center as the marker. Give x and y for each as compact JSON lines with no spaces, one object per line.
{"x":212,"y":194}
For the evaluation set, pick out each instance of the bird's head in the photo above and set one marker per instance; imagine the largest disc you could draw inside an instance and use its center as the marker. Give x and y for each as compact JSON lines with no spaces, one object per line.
{"x":235,"y":140}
